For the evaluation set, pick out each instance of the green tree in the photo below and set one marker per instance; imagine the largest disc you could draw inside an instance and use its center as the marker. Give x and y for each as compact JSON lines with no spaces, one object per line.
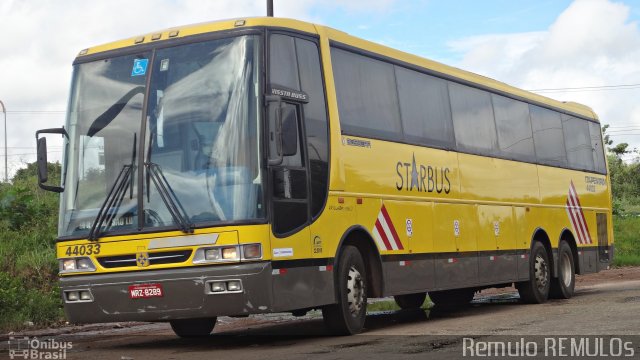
{"x":625,"y":176}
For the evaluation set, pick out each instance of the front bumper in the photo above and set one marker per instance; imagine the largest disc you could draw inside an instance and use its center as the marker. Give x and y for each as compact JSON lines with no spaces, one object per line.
{"x":185,"y":294}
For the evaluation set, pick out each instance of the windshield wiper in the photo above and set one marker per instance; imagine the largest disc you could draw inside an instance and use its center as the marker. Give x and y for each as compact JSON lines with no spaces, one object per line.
{"x":171,"y":201}
{"x":112,"y":201}
{"x":111,"y":204}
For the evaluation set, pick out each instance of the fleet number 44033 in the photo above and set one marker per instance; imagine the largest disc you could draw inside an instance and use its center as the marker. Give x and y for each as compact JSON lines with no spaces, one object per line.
{"x":91,"y":249}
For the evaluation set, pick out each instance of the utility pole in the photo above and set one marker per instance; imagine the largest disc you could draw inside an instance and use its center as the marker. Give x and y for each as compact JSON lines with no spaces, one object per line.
{"x":270,"y":8}
{"x":6,"y":155}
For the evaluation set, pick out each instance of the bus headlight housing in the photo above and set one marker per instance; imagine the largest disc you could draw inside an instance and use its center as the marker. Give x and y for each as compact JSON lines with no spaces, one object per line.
{"x":78,"y":296}
{"x":252,"y":251}
{"x":229,"y":253}
{"x":78,"y":264}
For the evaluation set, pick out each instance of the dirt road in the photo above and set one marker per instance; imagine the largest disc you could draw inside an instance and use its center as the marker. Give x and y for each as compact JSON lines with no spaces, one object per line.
{"x":607,"y":303}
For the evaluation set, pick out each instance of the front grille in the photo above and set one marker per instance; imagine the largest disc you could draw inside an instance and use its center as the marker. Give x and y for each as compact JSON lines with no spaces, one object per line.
{"x":157,"y":258}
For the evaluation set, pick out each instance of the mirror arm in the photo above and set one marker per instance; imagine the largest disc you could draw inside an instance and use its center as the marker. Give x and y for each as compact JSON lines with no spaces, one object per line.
{"x":61,"y":131}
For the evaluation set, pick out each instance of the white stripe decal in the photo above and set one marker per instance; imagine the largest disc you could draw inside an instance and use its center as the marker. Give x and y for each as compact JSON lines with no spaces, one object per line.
{"x":384,"y":233}
{"x":573,"y":216}
{"x":584,"y":220}
{"x":576,"y":216}
{"x":388,"y":232}
{"x":378,"y":239}
{"x":573,"y":223}
{"x":579,"y":214}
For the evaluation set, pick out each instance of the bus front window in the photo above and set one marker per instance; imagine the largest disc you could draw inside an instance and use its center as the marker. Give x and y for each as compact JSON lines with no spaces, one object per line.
{"x":201,"y":140}
{"x":103,"y":123}
{"x":202,"y":134}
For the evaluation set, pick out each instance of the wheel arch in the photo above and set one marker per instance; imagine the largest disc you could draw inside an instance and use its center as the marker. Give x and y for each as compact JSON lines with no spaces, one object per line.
{"x":540,"y":235}
{"x":360,"y":237}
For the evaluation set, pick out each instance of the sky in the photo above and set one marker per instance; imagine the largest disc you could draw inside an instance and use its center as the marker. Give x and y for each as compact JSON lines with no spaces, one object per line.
{"x":589,"y":46}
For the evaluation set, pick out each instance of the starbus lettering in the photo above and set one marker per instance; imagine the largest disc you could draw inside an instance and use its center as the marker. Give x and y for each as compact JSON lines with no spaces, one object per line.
{"x":422,"y":178}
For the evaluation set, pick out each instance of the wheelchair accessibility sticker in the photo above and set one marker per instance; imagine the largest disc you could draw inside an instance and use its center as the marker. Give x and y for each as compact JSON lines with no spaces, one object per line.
{"x":139,"y":67}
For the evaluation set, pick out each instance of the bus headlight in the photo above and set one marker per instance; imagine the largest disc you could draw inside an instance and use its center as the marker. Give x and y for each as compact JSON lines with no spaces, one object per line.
{"x":78,"y":296}
{"x":68,"y":265}
{"x":72,"y":296}
{"x":228,"y":253}
{"x":84,"y":264}
{"x":79,"y":264}
{"x":251,"y":251}
{"x":212,"y":254}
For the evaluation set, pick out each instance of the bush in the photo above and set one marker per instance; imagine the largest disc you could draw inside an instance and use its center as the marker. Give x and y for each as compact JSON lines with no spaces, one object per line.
{"x":28,"y":272}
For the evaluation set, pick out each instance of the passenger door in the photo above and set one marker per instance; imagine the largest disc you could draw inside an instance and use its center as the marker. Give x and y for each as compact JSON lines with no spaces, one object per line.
{"x":300,"y":183}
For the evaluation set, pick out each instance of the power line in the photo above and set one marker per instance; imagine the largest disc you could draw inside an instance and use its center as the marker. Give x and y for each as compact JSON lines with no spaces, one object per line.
{"x":621,"y":131}
{"x":622,"y":127}
{"x":36,"y":112}
{"x":31,"y":147}
{"x":25,"y":154}
{"x":590,"y":88}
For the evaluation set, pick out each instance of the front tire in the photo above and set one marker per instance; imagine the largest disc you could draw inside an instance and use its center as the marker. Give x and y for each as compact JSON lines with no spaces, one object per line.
{"x":348,"y":315}
{"x":190,"y":328}
{"x":410,"y":301}
{"x":536,"y":290}
{"x":563,"y":286}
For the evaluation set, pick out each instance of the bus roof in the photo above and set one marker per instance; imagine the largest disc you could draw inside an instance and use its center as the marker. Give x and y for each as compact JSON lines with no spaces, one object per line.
{"x":344,"y":38}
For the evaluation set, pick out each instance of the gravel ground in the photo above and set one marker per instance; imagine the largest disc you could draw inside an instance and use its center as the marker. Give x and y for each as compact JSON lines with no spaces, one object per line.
{"x":606,"y":303}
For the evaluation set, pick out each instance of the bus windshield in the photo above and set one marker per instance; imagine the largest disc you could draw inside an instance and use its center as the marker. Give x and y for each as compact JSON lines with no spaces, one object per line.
{"x":199,"y":133}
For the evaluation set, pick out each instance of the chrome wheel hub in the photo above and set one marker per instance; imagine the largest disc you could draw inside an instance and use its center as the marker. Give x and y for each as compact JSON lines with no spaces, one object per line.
{"x":565,"y":270}
{"x":355,"y":291}
{"x":541,"y":273}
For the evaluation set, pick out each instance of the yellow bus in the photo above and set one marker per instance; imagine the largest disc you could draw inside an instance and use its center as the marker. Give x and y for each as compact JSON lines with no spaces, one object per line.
{"x":271,"y":165}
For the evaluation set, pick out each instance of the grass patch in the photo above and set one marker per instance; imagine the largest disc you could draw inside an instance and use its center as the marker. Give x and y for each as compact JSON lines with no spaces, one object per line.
{"x":627,"y":241}
{"x":19,"y":304}
{"x":390,"y":305}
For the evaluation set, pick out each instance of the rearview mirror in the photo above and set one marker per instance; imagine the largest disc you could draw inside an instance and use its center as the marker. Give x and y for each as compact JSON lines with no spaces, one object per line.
{"x":43,"y":171}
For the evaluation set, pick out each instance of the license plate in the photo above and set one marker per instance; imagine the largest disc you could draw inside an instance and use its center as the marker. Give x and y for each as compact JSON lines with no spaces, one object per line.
{"x":145,"y":291}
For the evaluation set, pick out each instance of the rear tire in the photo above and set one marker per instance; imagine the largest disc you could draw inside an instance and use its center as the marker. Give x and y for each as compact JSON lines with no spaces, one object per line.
{"x":190,"y":328}
{"x":348,"y":315}
{"x":536,"y":290}
{"x":410,"y":301}
{"x":451,"y":299}
{"x":563,"y":286}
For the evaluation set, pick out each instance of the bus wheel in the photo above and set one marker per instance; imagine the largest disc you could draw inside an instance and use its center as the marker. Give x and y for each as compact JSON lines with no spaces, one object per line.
{"x":410,"y":301}
{"x":188,"y":328}
{"x":536,"y":290}
{"x":451,"y":299}
{"x":563,"y":286}
{"x":348,"y":315}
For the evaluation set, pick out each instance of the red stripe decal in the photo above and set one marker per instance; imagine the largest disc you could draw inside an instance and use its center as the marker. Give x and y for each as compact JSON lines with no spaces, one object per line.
{"x":581,"y":217}
{"x":578,"y":220}
{"x":575,"y":212}
{"x":574,"y":222}
{"x":383,"y":235}
{"x":396,"y":238}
